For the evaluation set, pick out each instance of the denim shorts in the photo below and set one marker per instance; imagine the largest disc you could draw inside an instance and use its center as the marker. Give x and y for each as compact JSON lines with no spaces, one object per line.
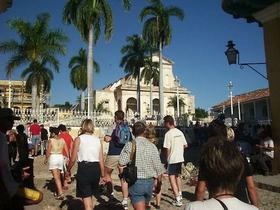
{"x":35,"y":140}
{"x":142,"y":190}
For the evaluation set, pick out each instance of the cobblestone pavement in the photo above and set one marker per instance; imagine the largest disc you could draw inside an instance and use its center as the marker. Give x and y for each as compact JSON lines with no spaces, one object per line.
{"x":268,"y":200}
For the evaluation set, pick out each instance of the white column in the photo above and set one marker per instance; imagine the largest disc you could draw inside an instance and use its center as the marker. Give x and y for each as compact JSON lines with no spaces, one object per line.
{"x":239,"y":111}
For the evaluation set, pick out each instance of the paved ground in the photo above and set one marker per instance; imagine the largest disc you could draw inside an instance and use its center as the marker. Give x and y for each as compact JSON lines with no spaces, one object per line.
{"x":269,"y":200}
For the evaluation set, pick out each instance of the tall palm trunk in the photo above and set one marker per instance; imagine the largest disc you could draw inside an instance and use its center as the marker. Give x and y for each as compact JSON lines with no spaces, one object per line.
{"x":90,"y":72}
{"x":151,"y":91}
{"x":151,"y":98}
{"x":34,"y":96}
{"x":161,"y":85}
{"x":83,"y":100}
{"x":138,"y":94}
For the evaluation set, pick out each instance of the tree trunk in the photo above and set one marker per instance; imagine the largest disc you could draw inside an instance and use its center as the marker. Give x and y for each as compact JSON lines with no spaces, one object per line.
{"x":151,"y":98}
{"x":82,"y":100}
{"x":138,"y":94}
{"x":161,"y":85}
{"x":90,"y":72}
{"x":34,"y":96}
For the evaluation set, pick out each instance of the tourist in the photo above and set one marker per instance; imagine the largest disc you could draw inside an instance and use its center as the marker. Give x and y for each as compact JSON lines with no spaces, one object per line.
{"x":56,"y":145}
{"x":87,"y":149}
{"x":266,"y":153}
{"x":116,"y":144}
{"x":23,"y":156}
{"x":63,"y":133}
{"x":9,"y":186}
{"x":22,"y":145}
{"x":246,"y":190}
{"x":148,"y":165}
{"x":223,"y":166}
{"x":35,"y":131}
{"x":150,"y":134}
{"x":44,"y":139}
{"x":12,"y":146}
{"x":174,"y":143}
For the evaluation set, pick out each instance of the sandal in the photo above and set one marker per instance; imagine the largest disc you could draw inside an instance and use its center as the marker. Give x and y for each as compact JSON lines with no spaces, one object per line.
{"x":60,"y":197}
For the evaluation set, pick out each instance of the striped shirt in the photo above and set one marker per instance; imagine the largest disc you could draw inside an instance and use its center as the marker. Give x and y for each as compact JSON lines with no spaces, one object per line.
{"x":147,"y":158}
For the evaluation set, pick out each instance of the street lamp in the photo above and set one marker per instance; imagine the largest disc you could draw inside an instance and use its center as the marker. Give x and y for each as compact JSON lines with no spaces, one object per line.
{"x":177,"y":83}
{"x":233,"y":58}
{"x":230,"y":86}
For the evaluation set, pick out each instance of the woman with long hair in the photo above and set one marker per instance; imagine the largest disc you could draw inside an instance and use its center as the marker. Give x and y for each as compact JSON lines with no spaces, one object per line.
{"x":56,"y":146}
{"x":87,"y":150}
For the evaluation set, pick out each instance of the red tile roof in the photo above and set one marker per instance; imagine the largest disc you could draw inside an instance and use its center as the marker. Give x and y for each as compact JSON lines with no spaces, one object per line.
{"x":245,"y":97}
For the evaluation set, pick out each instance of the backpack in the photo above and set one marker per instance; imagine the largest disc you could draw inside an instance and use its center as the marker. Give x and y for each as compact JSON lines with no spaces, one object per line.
{"x":122,"y":134}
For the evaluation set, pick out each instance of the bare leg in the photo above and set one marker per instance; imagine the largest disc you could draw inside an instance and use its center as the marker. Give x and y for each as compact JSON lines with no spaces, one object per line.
{"x":158,"y":198}
{"x":179,"y":183}
{"x":173,"y":184}
{"x":124,"y":185}
{"x":88,"y":203}
{"x":108,"y":173}
{"x":139,"y":205}
{"x":56,"y":176}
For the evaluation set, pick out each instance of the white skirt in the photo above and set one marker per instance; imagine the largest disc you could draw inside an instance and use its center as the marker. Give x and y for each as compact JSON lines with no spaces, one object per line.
{"x":56,"y":161}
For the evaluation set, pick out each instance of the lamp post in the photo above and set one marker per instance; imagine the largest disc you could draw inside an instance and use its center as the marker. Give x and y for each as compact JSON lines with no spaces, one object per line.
{"x":233,"y":58}
{"x":177,"y":83}
{"x":230,"y":86}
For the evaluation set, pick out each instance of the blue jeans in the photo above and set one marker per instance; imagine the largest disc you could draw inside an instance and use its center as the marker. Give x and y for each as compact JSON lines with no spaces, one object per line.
{"x":142,"y":190}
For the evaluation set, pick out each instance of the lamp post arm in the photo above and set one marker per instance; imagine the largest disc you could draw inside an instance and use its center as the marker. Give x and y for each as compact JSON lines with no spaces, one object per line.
{"x":252,"y":68}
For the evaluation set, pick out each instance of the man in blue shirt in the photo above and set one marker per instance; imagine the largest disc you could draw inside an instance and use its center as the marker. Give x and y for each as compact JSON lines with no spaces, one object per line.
{"x":113,"y":155}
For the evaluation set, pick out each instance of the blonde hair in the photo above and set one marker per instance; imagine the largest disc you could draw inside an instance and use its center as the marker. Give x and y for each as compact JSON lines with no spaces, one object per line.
{"x":87,"y":126}
{"x":150,"y":134}
{"x":230,"y":134}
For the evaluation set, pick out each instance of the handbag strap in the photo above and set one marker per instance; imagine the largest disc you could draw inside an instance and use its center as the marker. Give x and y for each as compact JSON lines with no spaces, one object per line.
{"x":133,"y":152}
{"x":222,"y":204}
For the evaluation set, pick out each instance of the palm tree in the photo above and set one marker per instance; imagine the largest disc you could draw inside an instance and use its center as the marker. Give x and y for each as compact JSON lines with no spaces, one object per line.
{"x":78,"y":74}
{"x":88,"y":16}
{"x":173,"y":103}
{"x":157,"y":31}
{"x":100,"y":107}
{"x":150,"y":74}
{"x":134,"y":55}
{"x":36,"y":49}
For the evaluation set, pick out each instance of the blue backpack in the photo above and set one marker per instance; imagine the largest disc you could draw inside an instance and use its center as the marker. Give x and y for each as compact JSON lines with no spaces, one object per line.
{"x":122,"y":134}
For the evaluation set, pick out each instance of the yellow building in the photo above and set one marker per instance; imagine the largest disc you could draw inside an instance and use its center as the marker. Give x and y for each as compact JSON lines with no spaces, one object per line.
{"x":14,"y":95}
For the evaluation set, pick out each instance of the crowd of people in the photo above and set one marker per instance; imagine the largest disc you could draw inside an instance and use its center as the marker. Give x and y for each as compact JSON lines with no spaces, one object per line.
{"x":141,"y":161}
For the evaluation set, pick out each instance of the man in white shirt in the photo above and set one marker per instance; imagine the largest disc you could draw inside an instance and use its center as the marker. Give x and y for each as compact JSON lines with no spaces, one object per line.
{"x":266,"y":154}
{"x":174,"y":143}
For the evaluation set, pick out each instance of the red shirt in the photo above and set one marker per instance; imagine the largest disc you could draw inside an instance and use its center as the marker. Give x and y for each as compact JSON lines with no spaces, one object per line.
{"x":35,"y":129}
{"x":68,"y":140}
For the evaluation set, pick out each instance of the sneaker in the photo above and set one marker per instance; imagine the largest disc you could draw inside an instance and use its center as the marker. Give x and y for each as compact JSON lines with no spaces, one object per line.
{"x":177,"y":203}
{"x":125,"y":205}
{"x":181,"y":197}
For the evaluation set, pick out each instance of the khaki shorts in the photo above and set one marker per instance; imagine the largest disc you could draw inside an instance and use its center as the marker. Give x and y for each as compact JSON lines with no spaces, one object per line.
{"x":112,"y":161}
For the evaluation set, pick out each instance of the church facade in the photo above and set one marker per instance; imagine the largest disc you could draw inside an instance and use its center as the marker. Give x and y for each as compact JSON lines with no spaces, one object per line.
{"x":122,"y":95}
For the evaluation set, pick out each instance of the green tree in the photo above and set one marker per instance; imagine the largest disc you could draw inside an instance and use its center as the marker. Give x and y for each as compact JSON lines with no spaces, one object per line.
{"x":100,"y":107}
{"x":173,"y":102}
{"x":134,"y":55}
{"x":36,"y":49}
{"x":78,"y":74}
{"x":88,"y":16}
{"x":150,"y":74}
{"x":200,"y":113}
{"x":157,"y":31}
{"x":67,"y":105}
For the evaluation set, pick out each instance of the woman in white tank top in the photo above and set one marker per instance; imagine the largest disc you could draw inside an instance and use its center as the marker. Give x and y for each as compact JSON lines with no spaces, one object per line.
{"x":87,"y":150}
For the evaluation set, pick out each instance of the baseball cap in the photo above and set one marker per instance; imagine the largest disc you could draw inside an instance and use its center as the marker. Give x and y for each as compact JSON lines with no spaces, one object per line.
{"x":8,"y":113}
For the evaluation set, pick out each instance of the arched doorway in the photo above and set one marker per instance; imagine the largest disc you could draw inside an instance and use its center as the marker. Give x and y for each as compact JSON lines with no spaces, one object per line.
{"x":131,"y":106}
{"x":156,"y":106}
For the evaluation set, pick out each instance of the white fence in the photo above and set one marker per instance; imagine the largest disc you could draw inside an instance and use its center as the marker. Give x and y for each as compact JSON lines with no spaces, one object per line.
{"x":55,"y":116}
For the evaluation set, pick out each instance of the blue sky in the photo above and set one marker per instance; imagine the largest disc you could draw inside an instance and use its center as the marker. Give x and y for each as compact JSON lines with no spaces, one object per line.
{"x":197,"y":47}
